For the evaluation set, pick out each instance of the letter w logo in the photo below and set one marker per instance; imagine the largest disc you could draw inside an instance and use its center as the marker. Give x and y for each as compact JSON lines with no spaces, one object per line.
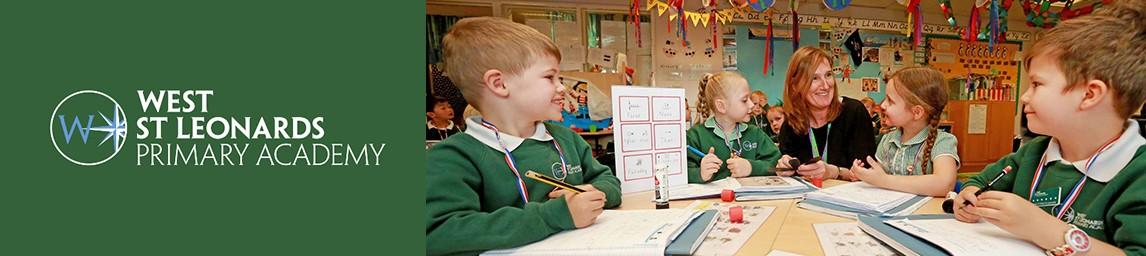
{"x":84,"y":130}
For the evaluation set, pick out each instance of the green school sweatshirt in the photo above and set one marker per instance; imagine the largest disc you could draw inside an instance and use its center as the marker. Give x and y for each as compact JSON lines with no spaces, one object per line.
{"x":1113,"y":211}
{"x":473,"y":203}
{"x":757,"y":147}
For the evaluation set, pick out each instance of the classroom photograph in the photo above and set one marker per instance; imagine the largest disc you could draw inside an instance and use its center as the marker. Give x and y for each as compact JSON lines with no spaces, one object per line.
{"x":798,"y":127}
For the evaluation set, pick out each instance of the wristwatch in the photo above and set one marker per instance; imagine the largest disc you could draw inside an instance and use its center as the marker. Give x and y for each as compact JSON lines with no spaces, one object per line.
{"x":1076,"y":241}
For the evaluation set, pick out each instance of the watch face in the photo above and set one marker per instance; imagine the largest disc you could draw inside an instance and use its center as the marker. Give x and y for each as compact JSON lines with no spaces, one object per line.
{"x":1078,"y":240}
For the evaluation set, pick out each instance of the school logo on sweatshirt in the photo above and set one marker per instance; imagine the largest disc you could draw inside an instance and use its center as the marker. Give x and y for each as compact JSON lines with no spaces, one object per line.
{"x":558,"y":173}
{"x":1080,"y":220}
{"x":749,"y":146}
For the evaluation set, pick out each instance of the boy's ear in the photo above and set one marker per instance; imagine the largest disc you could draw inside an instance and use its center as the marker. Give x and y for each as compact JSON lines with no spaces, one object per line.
{"x":494,"y":81}
{"x":1094,"y":91}
{"x":720,"y":107}
{"x":430,"y":115}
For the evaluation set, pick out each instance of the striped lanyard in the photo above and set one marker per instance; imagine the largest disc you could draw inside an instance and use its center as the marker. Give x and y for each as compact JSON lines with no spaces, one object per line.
{"x":816,"y":146}
{"x":1060,"y":210}
{"x":509,"y":160}
{"x":736,"y":128}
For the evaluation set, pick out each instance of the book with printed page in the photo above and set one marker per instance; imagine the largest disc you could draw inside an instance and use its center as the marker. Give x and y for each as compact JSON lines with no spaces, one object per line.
{"x":747,"y":188}
{"x":904,"y":209}
{"x":616,"y":232}
{"x":861,"y":197}
{"x":941,"y":234}
{"x":772,"y":188}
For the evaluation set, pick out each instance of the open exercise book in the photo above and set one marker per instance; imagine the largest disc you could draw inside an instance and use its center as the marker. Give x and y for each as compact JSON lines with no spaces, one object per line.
{"x":747,"y":189}
{"x":860,"y":198}
{"x":941,"y":234}
{"x":616,"y":232}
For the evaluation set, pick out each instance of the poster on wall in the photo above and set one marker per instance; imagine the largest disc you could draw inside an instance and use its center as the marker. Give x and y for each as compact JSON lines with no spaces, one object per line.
{"x":850,"y":88}
{"x":871,"y":54}
{"x":729,"y":54}
{"x":870,"y":84}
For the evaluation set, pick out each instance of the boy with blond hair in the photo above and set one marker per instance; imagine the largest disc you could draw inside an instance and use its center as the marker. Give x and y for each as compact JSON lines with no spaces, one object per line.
{"x":477,"y":195}
{"x":1083,"y":189}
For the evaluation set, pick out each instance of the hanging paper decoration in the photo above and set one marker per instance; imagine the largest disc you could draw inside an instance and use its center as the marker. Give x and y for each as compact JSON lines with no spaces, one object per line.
{"x":945,"y":5}
{"x":675,"y":10}
{"x":635,"y":18}
{"x":837,"y":5}
{"x":993,"y":25}
{"x":855,"y":46}
{"x":678,"y":6}
{"x":739,"y":6}
{"x":995,"y":31}
{"x":712,"y":22}
{"x":1039,"y":14}
{"x":915,"y":20}
{"x":769,"y":47}
{"x":795,"y":5}
{"x":972,"y":31}
{"x":1005,"y":5}
{"x":761,"y":5}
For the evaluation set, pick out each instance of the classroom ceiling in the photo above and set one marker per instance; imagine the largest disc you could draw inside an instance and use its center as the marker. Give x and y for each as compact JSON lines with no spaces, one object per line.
{"x":879,"y":9}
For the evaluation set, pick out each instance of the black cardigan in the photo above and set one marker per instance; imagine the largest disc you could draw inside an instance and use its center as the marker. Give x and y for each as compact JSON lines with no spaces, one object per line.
{"x":851,"y":137}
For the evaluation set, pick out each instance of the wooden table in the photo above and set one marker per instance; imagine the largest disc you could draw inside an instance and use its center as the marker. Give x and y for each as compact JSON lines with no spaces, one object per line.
{"x":789,"y":228}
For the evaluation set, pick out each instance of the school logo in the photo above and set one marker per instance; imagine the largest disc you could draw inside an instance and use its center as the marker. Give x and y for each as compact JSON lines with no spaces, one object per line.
{"x":88,"y":127}
{"x":560,"y":173}
{"x":749,"y":146}
{"x":1070,"y":215}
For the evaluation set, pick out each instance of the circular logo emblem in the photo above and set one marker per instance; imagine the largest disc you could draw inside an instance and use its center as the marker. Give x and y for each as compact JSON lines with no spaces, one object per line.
{"x":558,"y":172}
{"x":88,"y":127}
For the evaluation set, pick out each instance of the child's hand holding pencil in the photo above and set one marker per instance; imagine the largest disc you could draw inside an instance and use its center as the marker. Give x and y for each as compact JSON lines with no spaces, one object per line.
{"x":710,"y":164}
{"x":585,"y":202}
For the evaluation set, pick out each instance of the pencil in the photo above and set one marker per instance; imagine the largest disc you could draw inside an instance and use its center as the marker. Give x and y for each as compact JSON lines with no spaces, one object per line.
{"x":695,"y":151}
{"x":991,"y":184}
{"x":554,"y":182}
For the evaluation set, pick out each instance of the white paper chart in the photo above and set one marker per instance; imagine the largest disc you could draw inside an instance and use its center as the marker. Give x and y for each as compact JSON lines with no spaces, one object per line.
{"x":726,"y":237}
{"x":649,"y":131}
{"x":846,"y":238}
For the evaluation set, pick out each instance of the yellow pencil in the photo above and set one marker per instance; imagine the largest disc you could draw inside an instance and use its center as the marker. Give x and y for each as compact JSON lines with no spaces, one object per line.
{"x":551,"y":181}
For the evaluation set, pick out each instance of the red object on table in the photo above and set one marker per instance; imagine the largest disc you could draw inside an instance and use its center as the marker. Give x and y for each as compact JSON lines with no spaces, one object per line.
{"x":727,"y":195}
{"x":736,"y":214}
{"x":818,"y":182}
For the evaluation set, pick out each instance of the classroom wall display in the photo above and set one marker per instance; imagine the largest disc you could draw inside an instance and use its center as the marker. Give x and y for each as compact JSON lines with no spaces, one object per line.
{"x":851,"y":88}
{"x":681,"y":63}
{"x":961,"y":60}
{"x":956,"y":57}
{"x":871,"y":54}
{"x":587,"y":99}
{"x":863,"y":24}
{"x":649,"y":132}
{"x":870,"y":84}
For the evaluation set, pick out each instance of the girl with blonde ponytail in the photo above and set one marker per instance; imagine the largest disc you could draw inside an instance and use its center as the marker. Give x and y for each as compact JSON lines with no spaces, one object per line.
{"x":734,"y":148}
{"x":917,"y":157}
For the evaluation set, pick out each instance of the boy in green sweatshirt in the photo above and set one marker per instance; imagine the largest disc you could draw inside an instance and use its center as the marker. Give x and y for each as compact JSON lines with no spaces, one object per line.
{"x":1083,"y":189}
{"x":477,"y":195}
